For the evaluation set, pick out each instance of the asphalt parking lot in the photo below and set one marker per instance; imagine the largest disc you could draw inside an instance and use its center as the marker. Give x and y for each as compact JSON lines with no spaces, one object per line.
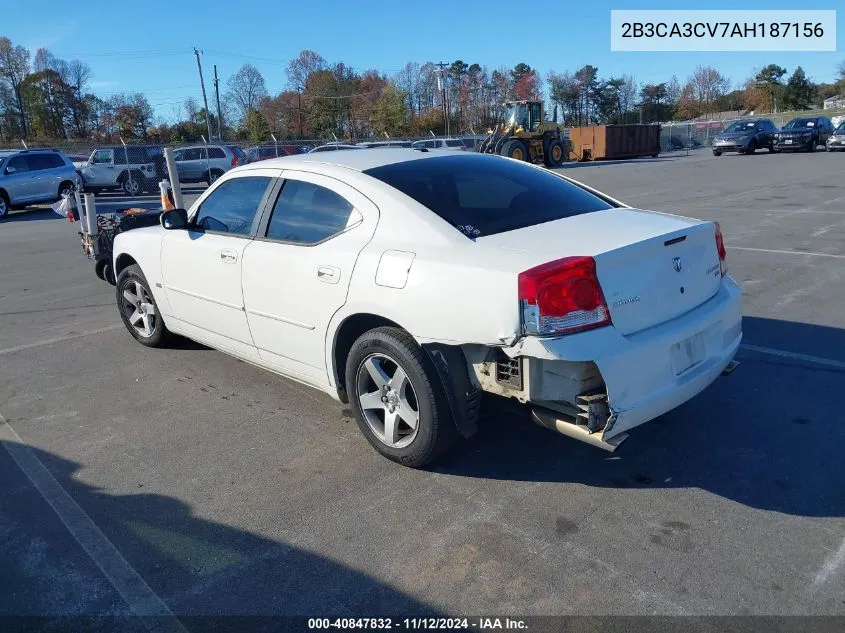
{"x":207,"y":486}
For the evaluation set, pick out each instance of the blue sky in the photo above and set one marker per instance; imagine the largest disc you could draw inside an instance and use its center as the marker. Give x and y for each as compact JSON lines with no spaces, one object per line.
{"x":147,"y":45}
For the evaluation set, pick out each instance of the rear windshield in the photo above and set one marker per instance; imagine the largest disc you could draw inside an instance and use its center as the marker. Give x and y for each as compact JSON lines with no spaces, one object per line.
{"x":482,"y":195}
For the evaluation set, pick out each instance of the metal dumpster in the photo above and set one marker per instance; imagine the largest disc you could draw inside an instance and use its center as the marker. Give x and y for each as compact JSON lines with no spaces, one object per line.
{"x":602,"y":142}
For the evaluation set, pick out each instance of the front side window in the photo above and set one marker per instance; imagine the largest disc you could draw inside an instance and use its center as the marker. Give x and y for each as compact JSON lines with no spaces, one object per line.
{"x":231,"y":207}
{"x":482,"y":195}
{"x":102,"y":157}
{"x":306,"y":214}
{"x":18,"y":164}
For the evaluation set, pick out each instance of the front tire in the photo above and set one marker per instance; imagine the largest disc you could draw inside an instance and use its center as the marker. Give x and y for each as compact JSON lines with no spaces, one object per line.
{"x":398,"y":399}
{"x":716,"y":152}
{"x":66,"y":188}
{"x":516,"y":149}
{"x":5,"y":205}
{"x":138,"y":308}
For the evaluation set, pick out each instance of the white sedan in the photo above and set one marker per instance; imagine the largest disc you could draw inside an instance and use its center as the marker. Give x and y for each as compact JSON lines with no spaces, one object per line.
{"x":409,"y":282}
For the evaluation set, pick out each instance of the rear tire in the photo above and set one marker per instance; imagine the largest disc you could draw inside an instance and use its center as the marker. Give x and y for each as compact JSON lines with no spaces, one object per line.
{"x":138,"y":309}
{"x":66,"y":187}
{"x":398,"y":399}
{"x":212,"y":176}
{"x":131,"y":185}
{"x":5,"y":205}
{"x":553,"y":154}
{"x":516,"y":149}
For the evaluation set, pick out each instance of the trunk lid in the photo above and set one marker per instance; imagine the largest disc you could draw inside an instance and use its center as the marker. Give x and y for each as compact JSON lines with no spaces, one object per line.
{"x":652,"y":267}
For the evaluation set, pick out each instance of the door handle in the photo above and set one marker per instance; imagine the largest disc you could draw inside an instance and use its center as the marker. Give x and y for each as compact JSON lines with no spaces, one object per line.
{"x":228,"y":256}
{"x":328,"y":274}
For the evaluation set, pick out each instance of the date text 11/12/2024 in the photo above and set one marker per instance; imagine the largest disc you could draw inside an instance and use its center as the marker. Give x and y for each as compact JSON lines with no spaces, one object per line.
{"x":443,"y":624}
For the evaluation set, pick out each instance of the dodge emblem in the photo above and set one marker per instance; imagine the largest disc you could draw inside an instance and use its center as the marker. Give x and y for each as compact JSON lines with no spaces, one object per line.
{"x":677,"y":264}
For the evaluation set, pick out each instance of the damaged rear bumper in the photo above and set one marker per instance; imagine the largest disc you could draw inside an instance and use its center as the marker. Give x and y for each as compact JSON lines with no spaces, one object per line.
{"x":645,"y":374}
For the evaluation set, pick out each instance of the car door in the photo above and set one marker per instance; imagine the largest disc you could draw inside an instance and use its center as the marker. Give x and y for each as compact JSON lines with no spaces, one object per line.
{"x":297,"y":272}
{"x":201,"y":265}
{"x":20,"y":180}
{"x":100,"y":168}
{"x":45,"y":177}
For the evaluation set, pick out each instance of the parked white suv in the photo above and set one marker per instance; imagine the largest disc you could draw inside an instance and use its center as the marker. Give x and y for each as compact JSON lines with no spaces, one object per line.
{"x":206,"y":163}
{"x":440,"y":143}
{"x":408,"y":283}
{"x":33,"y":176}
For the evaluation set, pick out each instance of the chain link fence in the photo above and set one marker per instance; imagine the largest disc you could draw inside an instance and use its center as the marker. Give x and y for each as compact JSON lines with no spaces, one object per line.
{"x":687,"y":135}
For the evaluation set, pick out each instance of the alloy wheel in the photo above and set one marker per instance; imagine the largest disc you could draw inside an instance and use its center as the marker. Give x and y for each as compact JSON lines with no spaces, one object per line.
{"x":139,"y":308}
{"x":388,"y":400}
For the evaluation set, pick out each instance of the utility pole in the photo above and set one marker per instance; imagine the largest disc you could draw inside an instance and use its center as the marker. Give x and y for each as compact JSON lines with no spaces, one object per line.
{"x":204,"y":98}
{"x":219,"y":114}
{"x":441,"y":80}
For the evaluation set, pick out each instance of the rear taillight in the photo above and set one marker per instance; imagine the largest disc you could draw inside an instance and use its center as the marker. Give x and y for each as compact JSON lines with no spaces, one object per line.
{"x":720,"y":248}
{"x":562,"y":297}
{"x":234,"y":161}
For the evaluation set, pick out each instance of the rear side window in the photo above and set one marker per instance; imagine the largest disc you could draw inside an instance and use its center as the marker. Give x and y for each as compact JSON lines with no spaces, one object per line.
{"x":231,"y":208}
{"x":454,"y":143}
{"x":216,"y":152}
{"x":45,"y":161}
{"x":482,"y":195}
{"x":306,"y":213}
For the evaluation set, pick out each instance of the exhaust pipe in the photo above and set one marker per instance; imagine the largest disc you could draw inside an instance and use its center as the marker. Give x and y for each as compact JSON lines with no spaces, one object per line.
{"x":729,"y":369}
{"x":556,"y":421}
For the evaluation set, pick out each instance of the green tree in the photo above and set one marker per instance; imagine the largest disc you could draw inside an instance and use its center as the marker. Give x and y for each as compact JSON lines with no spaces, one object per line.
{"x":798,"y":94}
{"x":14,"y":67}
{"x":389,"y":112}
{"x":254,"y":127}
{"x":769,"y":79}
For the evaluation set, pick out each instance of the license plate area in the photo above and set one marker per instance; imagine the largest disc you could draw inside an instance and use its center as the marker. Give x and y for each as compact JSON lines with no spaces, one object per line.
{"x":788,"y":141}
{"x":688,"y":353}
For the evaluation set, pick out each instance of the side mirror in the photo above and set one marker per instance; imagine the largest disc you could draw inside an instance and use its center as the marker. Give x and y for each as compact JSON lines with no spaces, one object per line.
{"x":174,"y":219}
{"x":10,"y":170}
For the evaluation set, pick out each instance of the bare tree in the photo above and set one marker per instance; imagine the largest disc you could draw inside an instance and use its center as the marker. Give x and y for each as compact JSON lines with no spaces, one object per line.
{"x":14,"y":67}
{"x":408,"y":81}
{"x":627,"y":94}
{"x":299,"y":69}
{"x":192,"y":109}
{"x":247,"y":88}
{"x":708,"y":84}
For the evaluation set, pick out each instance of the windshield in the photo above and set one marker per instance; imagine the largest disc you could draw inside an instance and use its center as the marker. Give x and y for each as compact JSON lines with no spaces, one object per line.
{"x":794,"y":123}
{"x":517,"y":113}
{"x":482,"y":195}
{"x":840,"y":129}
{"x":741,"y":126}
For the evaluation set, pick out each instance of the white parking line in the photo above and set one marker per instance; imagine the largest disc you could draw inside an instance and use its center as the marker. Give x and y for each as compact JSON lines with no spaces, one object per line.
{"x":829,"y":362}
{"x":770,"y":250}
{"x":132,"y":588}
{"x":830,"y":566}
{"x":59,"y":339}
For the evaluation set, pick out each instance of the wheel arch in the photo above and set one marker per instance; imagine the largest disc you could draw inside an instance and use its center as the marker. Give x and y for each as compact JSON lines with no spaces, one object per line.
{"x":121,"y":262}
{"x":448,"y":362}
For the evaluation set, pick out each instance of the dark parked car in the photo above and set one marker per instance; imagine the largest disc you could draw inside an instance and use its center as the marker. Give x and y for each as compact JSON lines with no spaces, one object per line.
{"x":836,"y":141}
{"x":264,"y":152}
{"x":745,"y":137}
{"x":804,"y":133}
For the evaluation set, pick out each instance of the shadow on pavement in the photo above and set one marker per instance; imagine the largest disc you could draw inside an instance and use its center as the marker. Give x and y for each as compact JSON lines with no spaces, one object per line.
{"x":770,"y":436}
{"x":199,"y":568}
{"x":31,"y":215}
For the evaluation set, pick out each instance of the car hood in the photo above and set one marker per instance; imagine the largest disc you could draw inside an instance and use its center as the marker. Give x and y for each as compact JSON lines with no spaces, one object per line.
{"x":797,"y":130}
{"x":733,"y":135}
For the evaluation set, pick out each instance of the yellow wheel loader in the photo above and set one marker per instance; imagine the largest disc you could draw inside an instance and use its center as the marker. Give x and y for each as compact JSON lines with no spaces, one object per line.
{"x":525,"y":134}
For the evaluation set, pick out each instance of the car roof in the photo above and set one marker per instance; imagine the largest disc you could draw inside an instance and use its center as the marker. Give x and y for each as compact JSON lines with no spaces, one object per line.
{"x":358,"y":161}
